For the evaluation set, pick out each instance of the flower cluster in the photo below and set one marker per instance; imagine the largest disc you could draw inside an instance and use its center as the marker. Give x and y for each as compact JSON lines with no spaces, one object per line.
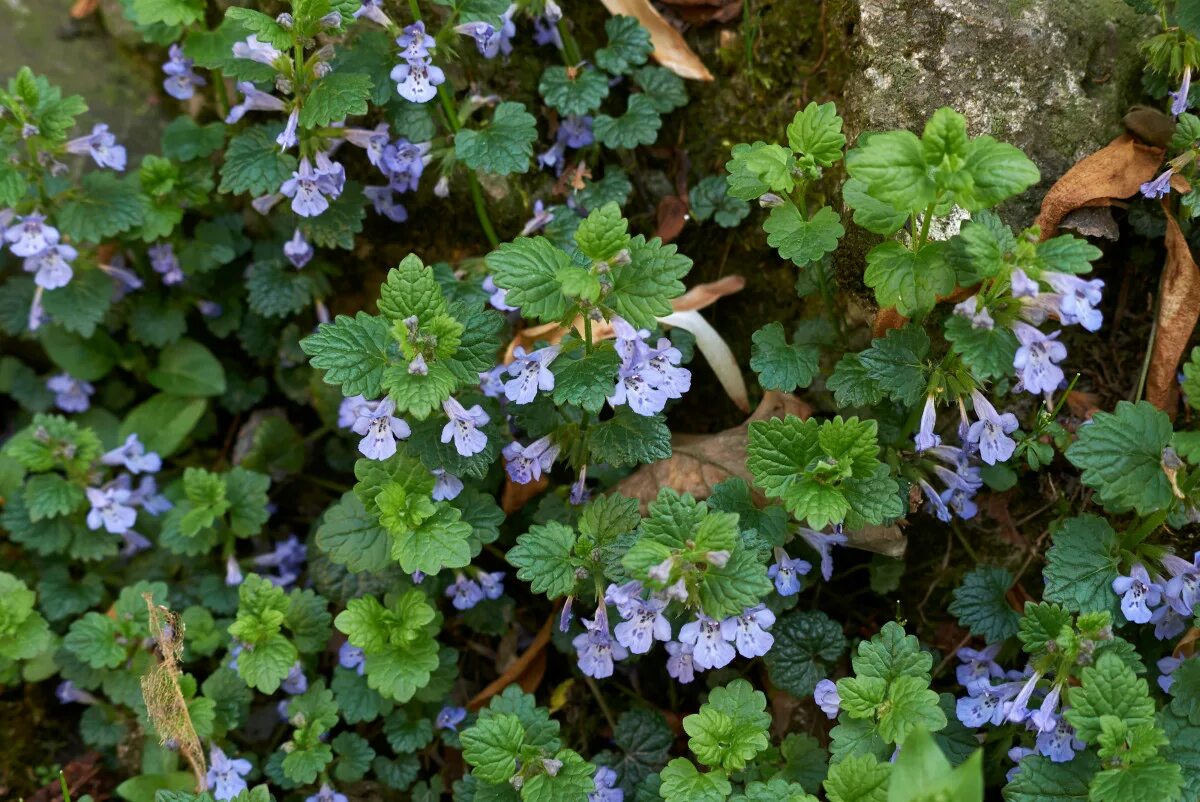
{"x":648,"y":377}
{"x":114,"y":504}
{"x":1167,"y":600}
{"x":417,"y":77}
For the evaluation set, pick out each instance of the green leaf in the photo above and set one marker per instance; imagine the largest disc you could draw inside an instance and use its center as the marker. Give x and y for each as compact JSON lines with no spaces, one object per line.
{"x":572,"y":780}
{"x":265,"y":27}
{"x":164,"y":421}
{"x":911,"y":282}
{"x":336,"y":227}
{"x":896,"y":363}
{"x":627,"y":439}
{"x":731,"y":727}
{"x":1041,"y":624}
{"x":188,"y":368}
{"x":49,"y":495}
{"x":1042,"y":780}
{"x":803,"y":241}
{"x":335,"y":97}
{"x":585,"y":382}
{"x":253,"y":162}
{"x":628,"y":45}
{"x":1183,"y":747}
{"x":503,"y":147}
{"x":184,"y":139}
{"x":858,"y":778}
{"x":492,"y":747}
{"x":406,"y":734}
{"x":1153,"y":779}
{"x":777,"y":790}
{"x":82,"y":304}
{"x":93,"y":639}
{"x":1120,"y":454}
{"x":851,"y":384}
{"x":354,"y":756}
{"x":711,"y":199}
{"x":528,"y":268}
{"x":911,"y":706}
{"x":980,"y":606}
{"x":603,"y":233}
{"x":989,"y":353}
{"x":681,"y":782}
{"x":892,"y":169}
{"x":1109,"y":688}
{"x":105,"y":206}
{"x":168,"y":12}
{"x":643,"y":287}
{"x":13,"y":185}
{"x":998,"y":171}
{"x":573,"y":91}
{"x":542,"y":557}
{"x":644,"y":740}
{"x":757,"y":168}
{"x":890,"y":654}
{"x":870,"y":213}
{"x":1067,"y":254}
{"x":352,"y":537}
{"x":1081,"y":566}
{"x":353,"y":352}
{"x":817,"y":132}
{"x":807,"y":645}
{"x":922,"y":772}
{"x":1185,"y":691}
{"x":637,"y":126}
{"x":663,"y":88}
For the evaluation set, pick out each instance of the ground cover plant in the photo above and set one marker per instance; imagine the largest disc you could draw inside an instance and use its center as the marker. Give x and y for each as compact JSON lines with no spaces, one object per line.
{"x":285,"y":518}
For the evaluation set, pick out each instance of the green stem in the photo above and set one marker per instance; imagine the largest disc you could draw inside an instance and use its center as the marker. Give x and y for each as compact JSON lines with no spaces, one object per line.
{"x":587,"y":334}
{"x":415,"y":9}
{"x":1135,"y":536}
{"x":963,"y":542}
{"x":485,"y":222}
{"x":220,"y":96}
{"x":570,"y":48}
{"x":924,"y":236}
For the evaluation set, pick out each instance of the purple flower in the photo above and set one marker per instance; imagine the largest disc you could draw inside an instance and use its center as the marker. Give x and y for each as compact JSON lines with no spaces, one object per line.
{"x":383,"y":200}
{"x":225,"y":775}
{"x":404,"y":162}
{"x":1169,"y":624}
{"x":1036,"y":359}
{"x":980,"y":317}
{"x":181,"y":81}
{"x":1159,"y":186}
{"x":545,"y":30}
{"x":1059,"y":744}
{"x":1079,"y":298}
{"x":978,"y":667}
{"x":491,"y":382}
{"x":526,"y":464}
{"x":465,"y":593}
{"x":287,"y":137}
{"x":936,"y":504}
{"x":579,"y":493}
{"x":327,"y":794}
{"x":164,"y":262}
{"x":633,"y":389}
{"x":987,"y":704}
{"x":417,"y":80}
{"x":606,"y":789}
{"x":531,"y":374}
{"x":446,"y":486}
{"x":373,"y":10}
{"x":351,"y":408}
{"x":414,"y":42}
{"x":297,"y":250}
{"x":1182,"y":590}
{"x":51,"y":267}
{"x":680,"y":665}
{"x":823,"y":544}
{"x":331,"y":174}
{"x":308,"y":190}
{"x":253,"y":99}
{"x":644,"y":625}
{"x":70,"y":394}
{"x":492,"y":583}
{"x":69,"y":693}
{"x":991,"y":431}
{"x":233,"y":572}
{"x":1179,"y":98}
{"x":380,"y":430}
{"x":1023,"y":286}
{"x":148,"y":498}
{"x":101,"y":146}
{"x":1018,"y":711}
{"x":710,"y":647}
{"x":596,"y":648}
{"x":748,"y":631}
{"x":1138,"y":594}
{"x":252,"y":49}
{"x":288,"y":557}
{"x":133,"y":455}
{"x":1045,"y":718}
{"x":498,"y":297}
{"x":575,"y":131}
{"x":662,"y":369}
{"x":450,"y":717}
{"x":352,"y":657}
{"x":295,"y":682}
{"x":553,"y":157}
{"x":827,"y":698}
{"x":626,"y":598}
{"x":787,"y":572}
{"x":926,"y":438}
{"x":463,"y":427}
{"x":541,"y":217}
{"x":1166,"y":667}
{"x":30,"y":236}
{"x":373,"y":141}
{"x":487,"y":38}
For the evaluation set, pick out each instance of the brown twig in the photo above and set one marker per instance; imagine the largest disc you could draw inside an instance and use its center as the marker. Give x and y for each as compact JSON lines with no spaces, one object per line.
{"x":514,"y":671}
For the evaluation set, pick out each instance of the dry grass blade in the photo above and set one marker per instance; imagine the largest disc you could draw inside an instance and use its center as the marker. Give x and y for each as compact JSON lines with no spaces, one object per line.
{"x":165,"y":704}
{"x":669,"y":48}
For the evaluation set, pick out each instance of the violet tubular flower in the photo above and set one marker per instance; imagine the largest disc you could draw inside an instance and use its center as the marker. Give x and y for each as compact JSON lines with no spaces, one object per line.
{"x":164,"y":262}
{"x":991,"y":431}
{"x":710,"y":647}
{"x":463,"y":427}
{"x":298,"y":250}
{"x":133,"y":456}
{"x":383,"y":201}
{"x":30,"y":235}
{"x":822,"y":543}
{"x":644,"y":625}
{"x":526,"y":464}
{"x":926,"y":437}
{"x":181,"y":80}
{"x":110,"y":509}
{"x":102,"y":146}
{"x":1138,"y":594}
{"x":1179,"y":98}
{"x":531,"y":374}
{"x":596,"y":648}
{"x":1182,"y":590}
{"x":380,"y":430}
{"x":1078,"y":299}
{"x":70,"y":394}
{"x":498,"y":297}
{"x":373,"y":10}
{"x":51,"y":268}
{"x":680,"y":663}
{"x":1037,"y":358}
{"x":448,"y":718}
{"x":254,"y":50}
{"x":1060,"y":743}
{"x":446,"y":486}
{"x":827,"y":698}
{"x":253,"y":99}
{"x":786,"y":573}
{"x":464,"y":593}
{"x":748,"y":631}
{"x":417,"y":80}
{"x":309,"y":190}
{"x":226,"y":775}
{"x":351,"y":657}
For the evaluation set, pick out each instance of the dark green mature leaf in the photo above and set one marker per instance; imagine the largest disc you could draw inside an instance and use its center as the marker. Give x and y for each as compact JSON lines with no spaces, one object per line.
{"x":911,"y":282}
{"x":629,"y":439}
{"x":980,"y":606}
{"x":628,"y":45}
{"x":528,"y":269}
{"x":663,"y":88}
{"x":988,"y":353}
{"x":711,"y":199}
{"x":808,"y":644}
{"x":335,"y":97}
{"x":82,"y":304}
{"x":1120,"y":454}
{"x":353,"y":352}
{"x":106,"y":206}
{"x":254,"y":163}
{"x":642,"y":289}
{"x":896,"y":363}
{"x":542,"y":557}
{"x":188,"y":368}
{"x":637,"y":126}
{"x":852,"y":384}
{"x":184,"y":139}
{"x":803,"y":241}
{"x":780,"y":365}
{"x":504,"y":146}
{"x":586,"y":382}
{"x":573,"y":91}
{"x":1081,"y":566}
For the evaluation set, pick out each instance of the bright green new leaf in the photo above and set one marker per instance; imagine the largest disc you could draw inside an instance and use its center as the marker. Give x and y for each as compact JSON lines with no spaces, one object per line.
{"x":803,"y":241}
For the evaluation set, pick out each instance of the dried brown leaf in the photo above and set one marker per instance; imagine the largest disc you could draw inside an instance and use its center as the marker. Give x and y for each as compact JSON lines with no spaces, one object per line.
{"x":1178,"y":311}
{"x":669,"y":48}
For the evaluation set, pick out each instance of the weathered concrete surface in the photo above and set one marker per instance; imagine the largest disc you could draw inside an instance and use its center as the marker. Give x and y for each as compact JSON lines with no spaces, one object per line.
{"x":1051,"y":77}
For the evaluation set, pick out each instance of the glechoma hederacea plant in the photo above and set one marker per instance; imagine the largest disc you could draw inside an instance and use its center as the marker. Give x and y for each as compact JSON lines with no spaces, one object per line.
{"x":188,"y":560}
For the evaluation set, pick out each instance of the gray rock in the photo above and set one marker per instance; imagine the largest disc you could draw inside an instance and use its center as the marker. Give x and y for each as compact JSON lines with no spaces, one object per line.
{"x":1051,"y":77}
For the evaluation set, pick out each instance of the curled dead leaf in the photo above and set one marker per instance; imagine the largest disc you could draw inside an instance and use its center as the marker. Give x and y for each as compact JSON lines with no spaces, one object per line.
{"x":523,"y":669}
{"x":669,"y":48}
{"x":716,"y":352}
{"x":672,"y":216}
{"x":1178,"y":311}
{"x":515,"y":496}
